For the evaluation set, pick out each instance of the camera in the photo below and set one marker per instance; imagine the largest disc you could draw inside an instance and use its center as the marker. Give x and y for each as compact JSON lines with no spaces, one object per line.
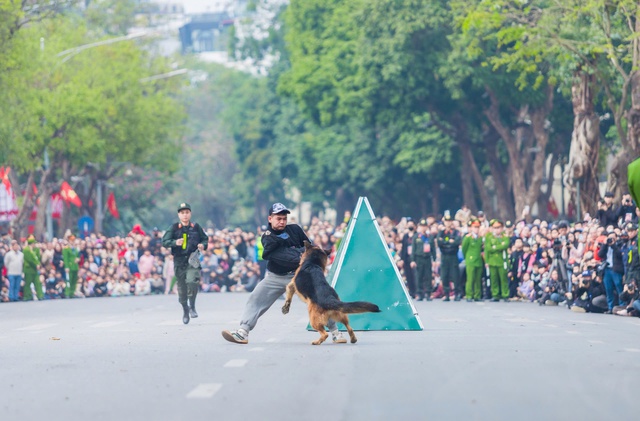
{"x":557,"y":244}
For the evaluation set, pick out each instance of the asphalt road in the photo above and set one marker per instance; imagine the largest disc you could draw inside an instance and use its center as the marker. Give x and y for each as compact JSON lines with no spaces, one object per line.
{"x":131,"y":358}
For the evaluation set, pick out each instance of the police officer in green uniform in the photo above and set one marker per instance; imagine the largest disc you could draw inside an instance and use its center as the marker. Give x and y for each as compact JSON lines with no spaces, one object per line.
{"x":31,"y":263}
{"x":496,"y":244}
{"x":472,"y":251}
{"x":71,"y":257}
{"x":423,"y":252}
{"x":448,"y":242}
{"x":185,"y":238}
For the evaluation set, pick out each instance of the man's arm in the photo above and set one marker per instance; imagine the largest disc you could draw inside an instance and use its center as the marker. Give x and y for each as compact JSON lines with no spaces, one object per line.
{"x":204,"y":240}
{"x":277,"y":250}
{"x":167,"y":238}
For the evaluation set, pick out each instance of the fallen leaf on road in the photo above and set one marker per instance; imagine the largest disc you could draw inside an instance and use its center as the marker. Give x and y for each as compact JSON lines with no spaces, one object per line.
{"x":53,"y":338}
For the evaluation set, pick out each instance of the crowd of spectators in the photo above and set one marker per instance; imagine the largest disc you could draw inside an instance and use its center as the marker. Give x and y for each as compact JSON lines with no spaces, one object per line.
{"x":591,"y":265}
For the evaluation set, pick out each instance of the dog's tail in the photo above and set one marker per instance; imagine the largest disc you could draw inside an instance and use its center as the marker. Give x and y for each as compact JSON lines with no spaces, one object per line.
{"x":352,"y":307}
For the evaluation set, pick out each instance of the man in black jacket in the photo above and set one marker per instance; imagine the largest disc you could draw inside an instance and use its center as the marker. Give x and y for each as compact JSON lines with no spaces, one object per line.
{"x":406,"y":254}
{"x":184,"y":238}
{"x":448,"y":242}
{"x":611,"y":254}
{"x":607,"y":214}
{"x":283,"y":246}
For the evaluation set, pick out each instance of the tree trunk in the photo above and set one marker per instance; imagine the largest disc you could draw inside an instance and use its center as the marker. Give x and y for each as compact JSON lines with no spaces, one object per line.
{"x":470,"y":173}
{"x":435,"y":198}
{"x":503,"y":198}
{"x":519,"y":146}
{"x":585,"y":146}
{"x":618,"y":179}
{"x":19,"y":223}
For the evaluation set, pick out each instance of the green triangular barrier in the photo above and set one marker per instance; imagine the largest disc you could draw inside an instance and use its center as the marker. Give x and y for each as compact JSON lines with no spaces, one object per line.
{"x":363,"y":270}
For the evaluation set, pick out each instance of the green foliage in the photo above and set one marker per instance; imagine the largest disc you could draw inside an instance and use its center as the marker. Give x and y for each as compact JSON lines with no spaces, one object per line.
{"x":91,"y":107}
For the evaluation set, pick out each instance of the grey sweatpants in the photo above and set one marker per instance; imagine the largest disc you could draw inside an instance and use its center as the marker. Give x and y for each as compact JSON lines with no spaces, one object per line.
{"x":263,"y":297}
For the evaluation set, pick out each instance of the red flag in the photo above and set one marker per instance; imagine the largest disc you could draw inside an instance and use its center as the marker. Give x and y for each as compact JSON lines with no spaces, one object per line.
{"x":4,"y":175}
{"x":69,"y":195}
{"x":111,"y":204}
{"x":56,"y":205}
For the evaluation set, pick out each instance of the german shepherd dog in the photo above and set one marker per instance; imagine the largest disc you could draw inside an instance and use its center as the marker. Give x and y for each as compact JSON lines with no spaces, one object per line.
{"x":322,"y":300}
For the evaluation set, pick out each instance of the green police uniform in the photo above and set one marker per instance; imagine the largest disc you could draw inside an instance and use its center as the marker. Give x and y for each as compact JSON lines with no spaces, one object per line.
{"x":188,"y":275}
{"x":423,"y":252}
{"x":70,"y":257}
{"x":31,"y":276}
{"x":472,"y":251}
{"x":449,"y":242}
{"x":495,"y":250}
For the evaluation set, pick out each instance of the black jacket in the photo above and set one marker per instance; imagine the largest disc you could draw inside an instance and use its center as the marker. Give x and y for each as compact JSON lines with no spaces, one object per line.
{"x":195,"y":236}
{"x":448,"y":248}
{"x":618,"y":267}
{"x":607,"y":216}
{"x":282,"y":249}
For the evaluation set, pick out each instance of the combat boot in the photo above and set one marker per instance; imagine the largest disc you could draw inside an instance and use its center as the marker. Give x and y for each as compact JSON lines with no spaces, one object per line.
{"x":192,"y":308}
{"x":185,"y":314}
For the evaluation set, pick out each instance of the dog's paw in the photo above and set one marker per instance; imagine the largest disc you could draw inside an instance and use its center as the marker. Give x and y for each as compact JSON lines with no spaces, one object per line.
{"x":285,"y":309}
{"x":354,"y":340}
{"x":318,"y":342}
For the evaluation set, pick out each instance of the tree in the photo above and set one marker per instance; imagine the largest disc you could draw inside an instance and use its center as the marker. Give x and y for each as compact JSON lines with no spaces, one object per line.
{"x":91,"y":108}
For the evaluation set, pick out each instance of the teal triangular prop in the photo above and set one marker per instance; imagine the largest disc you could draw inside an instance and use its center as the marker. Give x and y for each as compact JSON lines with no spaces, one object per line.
{"x":363,"y":270}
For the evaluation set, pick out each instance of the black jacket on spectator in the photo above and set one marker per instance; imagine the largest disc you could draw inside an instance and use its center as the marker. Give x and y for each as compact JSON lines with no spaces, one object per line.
{"x":282,"y":249}
{"x":623,"y":210}
{"x":618,"y":267}
{"x":607,"y":216}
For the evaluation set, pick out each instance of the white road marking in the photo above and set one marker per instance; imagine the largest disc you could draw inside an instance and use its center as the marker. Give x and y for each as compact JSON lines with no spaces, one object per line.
{"x":520,"y":320}
{"x":587,"y":322}
{"x":551,"y":325}
{"x":40,"y":326}
{"x":235,"y":363}
{"x":271,"y":340}
{"x":170,"y":323}
{"x":204,"y":391}
{"x":573,"y":332}
{"x":632,"y":349}
{"x":106,"y":324}
{"x":596,"y":342}
{"x":256,"y":349}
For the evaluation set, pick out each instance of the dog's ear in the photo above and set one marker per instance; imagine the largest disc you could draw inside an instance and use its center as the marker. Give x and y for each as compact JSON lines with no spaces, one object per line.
{"x":307,"y":244}
{"x":327,"y":252}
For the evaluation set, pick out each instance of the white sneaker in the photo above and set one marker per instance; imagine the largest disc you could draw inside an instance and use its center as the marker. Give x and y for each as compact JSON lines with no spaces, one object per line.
{"x":337,"y":337}
{"x":239,"y":336}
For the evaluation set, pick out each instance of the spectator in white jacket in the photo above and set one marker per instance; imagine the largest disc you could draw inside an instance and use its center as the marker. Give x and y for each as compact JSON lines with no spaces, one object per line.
{"x":14,"y":262}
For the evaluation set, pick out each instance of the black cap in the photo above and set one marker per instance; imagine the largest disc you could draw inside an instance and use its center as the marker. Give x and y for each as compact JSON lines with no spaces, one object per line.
{"x":608,"y":194}
{"x":184,"y":205}
{"x":447,"y":218}
{"x":423,"y":222}
{"x":278,"y":208}
{"x":631,"y":227}
{"x":508,"y":224}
